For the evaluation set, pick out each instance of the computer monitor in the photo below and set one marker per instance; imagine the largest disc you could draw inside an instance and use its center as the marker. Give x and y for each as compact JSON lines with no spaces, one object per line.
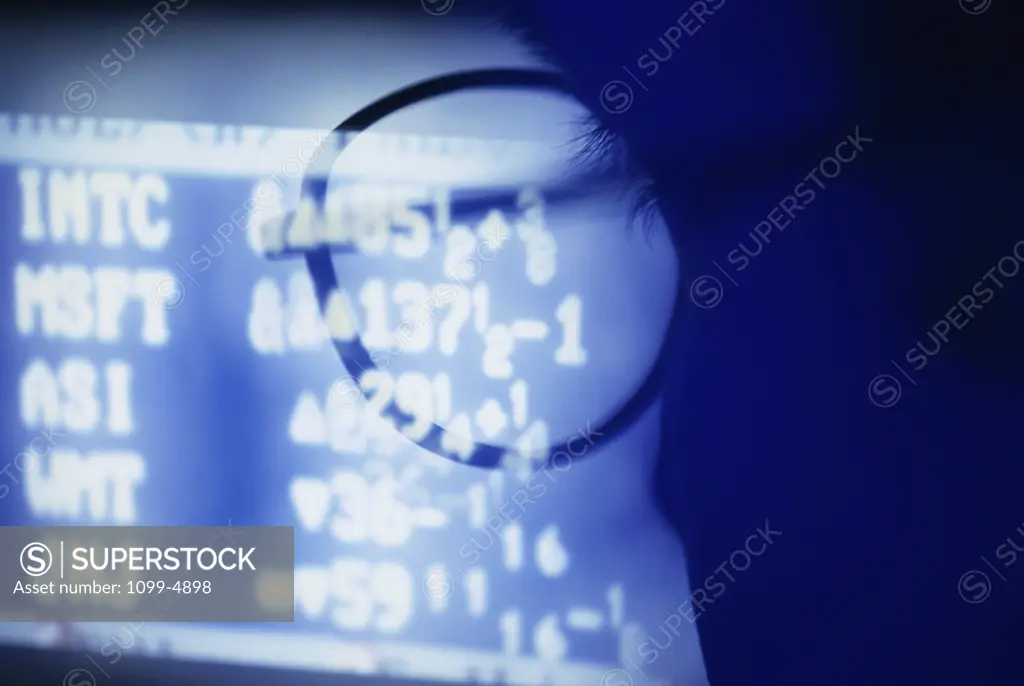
{"x":162,"y":370}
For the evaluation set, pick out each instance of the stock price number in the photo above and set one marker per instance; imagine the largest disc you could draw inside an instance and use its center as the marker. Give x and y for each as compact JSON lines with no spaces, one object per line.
{"x":371,"y":219}
{"x":150,"y":587}
{"x":356,"y":595}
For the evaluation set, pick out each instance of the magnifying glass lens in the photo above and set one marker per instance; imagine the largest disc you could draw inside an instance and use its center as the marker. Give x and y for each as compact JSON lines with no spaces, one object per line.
{"x":498,"y":290}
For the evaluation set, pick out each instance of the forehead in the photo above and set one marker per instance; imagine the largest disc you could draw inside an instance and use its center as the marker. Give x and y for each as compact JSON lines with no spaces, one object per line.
{"x":701,"y":71}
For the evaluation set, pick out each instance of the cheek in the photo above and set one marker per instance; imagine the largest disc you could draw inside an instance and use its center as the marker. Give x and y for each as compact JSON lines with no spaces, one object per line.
{"x":625,"y":276}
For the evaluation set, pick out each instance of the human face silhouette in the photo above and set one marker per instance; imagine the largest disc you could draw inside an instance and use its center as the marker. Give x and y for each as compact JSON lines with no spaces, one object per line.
{"x":800,"y":307}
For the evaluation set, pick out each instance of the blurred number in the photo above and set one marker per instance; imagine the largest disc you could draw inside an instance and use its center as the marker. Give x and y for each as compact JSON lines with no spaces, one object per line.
{"x":373,"y":298}
{"x":339,"y":317}
{"x":512,"y":537}
{"x":499,"y":343}
{"x":414,"y":245}
{"x":306,"y":227}
{"x":458,"y":314}
{"x":369,"y":512}
{"x":360,"y":588}
{"x":481,"y":308}
{"x":350,"y":425}
{"x":477,"y":496}
{"x":390,"y":519}
{"x":541,"y":258}
{"x":337,"y":224}
{"x":549,"y":643}
{"x":570,"y":314}
{"x":411,"y":297}
{"x":414,"y":395}
{"x":533,"y":444}
{"x":541,"y":248}
{"x":493,"y":231}
{"x":344,"y":426}
{"x":306,"y":329}
{"x":379,"y":389}
{"x":391,"y":586}
{"x":353,"y":522}
{"x":511,"y":626}
{"x":531,"y":221}
{"x":266,"y":318}
{"x":460,"y":243}
{"x":517,"y":396}
{"x":442,"y":398}
{"x":458,"y":439}
{"x":476,"y":591}
{"x":372,"y":228}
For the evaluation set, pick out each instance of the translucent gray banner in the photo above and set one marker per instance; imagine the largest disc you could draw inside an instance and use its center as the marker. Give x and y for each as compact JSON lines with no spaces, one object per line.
{"x":147,"y":573}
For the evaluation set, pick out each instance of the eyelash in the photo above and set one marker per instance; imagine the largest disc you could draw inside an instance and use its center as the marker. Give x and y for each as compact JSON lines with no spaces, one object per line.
{"x":599,"y":143}
{"x":606,"y":152}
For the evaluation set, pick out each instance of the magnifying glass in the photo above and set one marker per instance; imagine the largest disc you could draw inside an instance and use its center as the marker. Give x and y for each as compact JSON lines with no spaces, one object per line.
{"x":477,"y":273}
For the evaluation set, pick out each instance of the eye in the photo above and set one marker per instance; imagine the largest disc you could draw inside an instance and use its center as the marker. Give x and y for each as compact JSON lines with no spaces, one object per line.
{"x":605,"y":153}
{"x":599,"y":147}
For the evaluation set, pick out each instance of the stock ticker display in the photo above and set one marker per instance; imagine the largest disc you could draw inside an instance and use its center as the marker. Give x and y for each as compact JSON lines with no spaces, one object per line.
{"x":160,"y":370}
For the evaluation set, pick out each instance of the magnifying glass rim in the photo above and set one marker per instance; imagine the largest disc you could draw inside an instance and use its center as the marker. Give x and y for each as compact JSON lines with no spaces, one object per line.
{"x":325,"y":279}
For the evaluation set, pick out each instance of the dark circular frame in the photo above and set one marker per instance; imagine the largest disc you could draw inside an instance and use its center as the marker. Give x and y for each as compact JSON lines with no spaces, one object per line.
{"x":356,"y":358}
